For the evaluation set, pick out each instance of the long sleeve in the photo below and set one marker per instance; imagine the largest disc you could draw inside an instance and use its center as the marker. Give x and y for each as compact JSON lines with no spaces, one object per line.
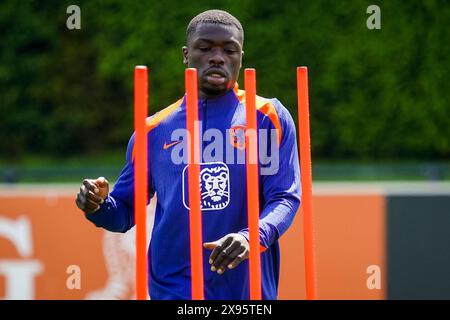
{"x":117,"y":212}
{"x":281,"y":192}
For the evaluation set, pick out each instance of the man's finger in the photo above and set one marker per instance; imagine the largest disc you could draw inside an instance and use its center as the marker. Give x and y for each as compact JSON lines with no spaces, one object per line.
{"x":210,"y":245}
{"x":97,"y":199}
{"x":231,"y":257}
{"x":101,"y":182}
{"x":90,"y":185}
{"x":223,"y":254}
{"x":81,"y":199}
{"x":220,"y":246}
{"x":84,"y":203}
{"x":92,"y":205}
{"x":238,"y":260}
{"x":90,"y":195}
{"x":213,"y":256}
{"x":78,"y":202}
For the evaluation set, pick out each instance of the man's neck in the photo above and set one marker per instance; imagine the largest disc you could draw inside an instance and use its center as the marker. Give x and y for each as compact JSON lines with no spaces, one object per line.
{"x":205,"y":96}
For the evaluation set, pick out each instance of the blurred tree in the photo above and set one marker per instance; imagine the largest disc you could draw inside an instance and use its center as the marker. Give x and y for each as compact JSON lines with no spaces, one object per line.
{"x":375,"y":94}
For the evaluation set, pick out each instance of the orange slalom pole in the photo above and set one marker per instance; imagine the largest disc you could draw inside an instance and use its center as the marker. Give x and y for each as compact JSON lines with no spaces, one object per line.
{"x":306,"y":178}
{"x":195,"y":214}
{"x":141,"y":178}
{"x":252,"y":185}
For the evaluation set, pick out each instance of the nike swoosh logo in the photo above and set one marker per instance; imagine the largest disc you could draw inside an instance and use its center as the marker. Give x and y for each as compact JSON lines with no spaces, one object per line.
{"x":167,"y":146}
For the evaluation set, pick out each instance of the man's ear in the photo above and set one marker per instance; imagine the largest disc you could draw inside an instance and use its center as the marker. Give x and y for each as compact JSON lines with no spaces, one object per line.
{"x":185,"y":51}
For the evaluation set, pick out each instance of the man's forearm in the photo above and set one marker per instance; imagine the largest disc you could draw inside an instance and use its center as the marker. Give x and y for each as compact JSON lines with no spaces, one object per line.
{"x":275,"y":219}
{"x":113,"y":215}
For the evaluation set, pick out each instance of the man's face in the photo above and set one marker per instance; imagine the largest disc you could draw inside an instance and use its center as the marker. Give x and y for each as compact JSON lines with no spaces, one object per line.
{"x":216,"y":52}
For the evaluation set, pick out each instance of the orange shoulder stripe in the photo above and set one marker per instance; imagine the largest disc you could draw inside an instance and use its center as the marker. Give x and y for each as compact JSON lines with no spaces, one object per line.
{"x":161,"y":115}
{"x":269,"y":110}
{"x":154,"y":121}
{"x":265,"y":107}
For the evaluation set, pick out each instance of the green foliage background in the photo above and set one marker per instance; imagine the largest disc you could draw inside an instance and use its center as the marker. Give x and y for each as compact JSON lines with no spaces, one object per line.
{"x":374,"y":94}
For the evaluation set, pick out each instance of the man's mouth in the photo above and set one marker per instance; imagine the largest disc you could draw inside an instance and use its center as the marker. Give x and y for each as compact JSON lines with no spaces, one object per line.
{"x":216,"y":78}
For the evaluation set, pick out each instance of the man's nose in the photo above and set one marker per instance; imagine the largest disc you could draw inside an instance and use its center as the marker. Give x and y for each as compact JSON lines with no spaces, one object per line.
{"x":217,"y":57}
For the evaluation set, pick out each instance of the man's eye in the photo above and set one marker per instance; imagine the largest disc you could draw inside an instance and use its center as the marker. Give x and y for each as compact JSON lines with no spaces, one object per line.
{"x":203,"y":49}
{"x":229,"y":51}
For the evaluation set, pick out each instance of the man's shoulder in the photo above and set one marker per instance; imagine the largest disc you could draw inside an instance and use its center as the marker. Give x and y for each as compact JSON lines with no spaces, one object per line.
{"x":272,"y":107}
{"x":278,"y":114}
{"x":156,"y":119}
{"x":262,"y":102}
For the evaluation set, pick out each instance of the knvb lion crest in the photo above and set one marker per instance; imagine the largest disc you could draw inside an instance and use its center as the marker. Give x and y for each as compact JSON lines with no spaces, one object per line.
{"x":214,"y":186}
{"x":237,"y":137}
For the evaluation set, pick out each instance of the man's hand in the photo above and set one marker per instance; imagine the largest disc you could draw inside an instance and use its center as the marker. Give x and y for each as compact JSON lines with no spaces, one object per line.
{"x":92,"y":194}
{"x":228,"y":252}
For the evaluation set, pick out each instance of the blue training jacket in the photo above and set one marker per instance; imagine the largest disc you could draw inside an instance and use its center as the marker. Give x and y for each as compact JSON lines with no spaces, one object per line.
{"x":223,"y":193}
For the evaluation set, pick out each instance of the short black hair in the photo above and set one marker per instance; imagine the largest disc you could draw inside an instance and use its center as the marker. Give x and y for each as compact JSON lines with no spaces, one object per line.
{"x":215,"y":17}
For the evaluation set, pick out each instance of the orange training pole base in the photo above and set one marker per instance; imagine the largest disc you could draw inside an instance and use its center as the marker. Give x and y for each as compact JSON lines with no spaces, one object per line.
{"x":195,"y":214}
{"x":252,"y":184}
{"x":306,"y":177}
{"x":140,"y":178}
